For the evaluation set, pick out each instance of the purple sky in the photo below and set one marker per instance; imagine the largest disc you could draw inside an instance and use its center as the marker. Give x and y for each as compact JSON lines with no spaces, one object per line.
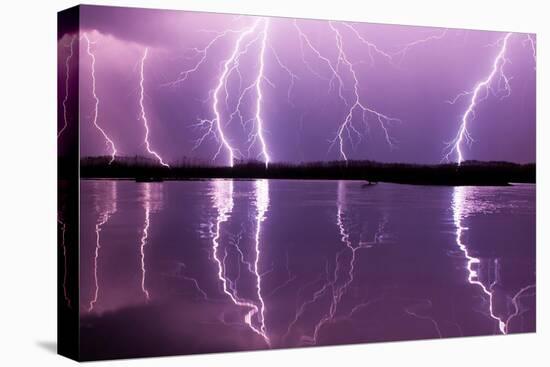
{"x":413,"y":86}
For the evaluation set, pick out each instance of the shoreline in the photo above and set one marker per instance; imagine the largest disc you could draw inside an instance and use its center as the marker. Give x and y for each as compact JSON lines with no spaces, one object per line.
{"x":363,"y":182}
{"x":470,"y":173}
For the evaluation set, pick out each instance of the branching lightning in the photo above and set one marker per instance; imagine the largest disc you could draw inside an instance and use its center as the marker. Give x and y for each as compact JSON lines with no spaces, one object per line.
{"x":370,"y":46}
{"x":108,"y":140}
{"x":347,"y":130}
{"x":142,"y":107}
{"x":293,"y":77}
{"x":531,"y":42}
{"x":259,"y":122}
{"x":335,"y":75}
{"x":182,"y":267}
{"x":67,"y":77}
{"x":144,"y":237}
{"x":339,"y":290}
{"x":337,"y":286}
{"x":65,"y":270}
{"x":460,"y":212}
{"x":420,"y":305}
{"x":347,"y":125}
{"x":104,"y":214}
{"x":152,"y":201}
{"x":215,"y":126}
{"x":479,"y":93}
{"x":223,"y":201}
{"x":407,"y":47}
{"x":203,"y":52}
{"x":523,"y":292}
{"x":262,"y":204}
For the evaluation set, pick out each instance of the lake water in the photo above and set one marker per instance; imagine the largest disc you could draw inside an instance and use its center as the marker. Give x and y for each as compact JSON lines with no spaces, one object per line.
{"x":207,"y":266}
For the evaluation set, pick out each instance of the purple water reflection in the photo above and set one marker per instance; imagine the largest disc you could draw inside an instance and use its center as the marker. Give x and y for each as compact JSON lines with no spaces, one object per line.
{"x":222,"y":265}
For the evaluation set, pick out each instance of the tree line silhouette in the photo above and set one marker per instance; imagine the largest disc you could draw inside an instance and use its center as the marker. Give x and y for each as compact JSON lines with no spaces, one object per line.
{"x":468,"y":173}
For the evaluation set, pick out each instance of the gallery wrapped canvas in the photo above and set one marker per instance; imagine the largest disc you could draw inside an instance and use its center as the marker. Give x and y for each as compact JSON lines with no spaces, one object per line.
{"x":232,"y":183}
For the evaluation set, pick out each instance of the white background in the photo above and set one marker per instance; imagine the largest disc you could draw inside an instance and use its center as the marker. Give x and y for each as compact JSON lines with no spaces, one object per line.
{"x":28,"y":182}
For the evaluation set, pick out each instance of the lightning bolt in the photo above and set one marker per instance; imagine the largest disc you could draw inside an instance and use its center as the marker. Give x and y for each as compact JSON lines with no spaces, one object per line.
{"x":337,"y":285}
{"x":459,"y":213}
{"x":479,"y":93}
{"x":407,"y":47}
{"x":223,"y":201}
{"x":67,"y":76}
{"x":338,"y":291}
{"x":290,"y":279}
{"x":335,"y":75}
{"x":152,"y":202}
{"x":63,"y":226}
{"x":108,"y":140}
{"x":356,"y":105}
{"x":315,"y":296}
{"x":423,"y":304}
{"x":460,"y":207}
{"x":142,"y":107}
{"x":515,"y":302}
{"x":203,"y":52}
{"x":195,"y":282}
{"x":347,"y":130}
{"x":231,"y":65}
{"x":293,"y":77}
{"x":262,"y":204}
{"x":371,"y":47}
{"x":144,"y":237}
{"x":531,"y":42}
{"x":215,"y":126}
{"x":259,"y":122}
{"x":104,"y":216}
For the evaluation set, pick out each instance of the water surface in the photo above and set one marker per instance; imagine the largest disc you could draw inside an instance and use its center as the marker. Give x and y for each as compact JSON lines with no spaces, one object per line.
{"x":205,"y":266}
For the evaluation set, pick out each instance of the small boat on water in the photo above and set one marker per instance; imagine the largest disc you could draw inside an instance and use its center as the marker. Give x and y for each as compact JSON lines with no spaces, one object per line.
{"x":369,"y":183}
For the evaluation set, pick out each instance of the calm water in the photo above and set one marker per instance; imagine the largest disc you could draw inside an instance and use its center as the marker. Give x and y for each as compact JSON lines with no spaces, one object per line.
{"x":206,"y":266}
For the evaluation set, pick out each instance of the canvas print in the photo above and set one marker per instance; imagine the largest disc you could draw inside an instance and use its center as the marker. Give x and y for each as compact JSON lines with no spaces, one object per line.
{"x":237,"y":183}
